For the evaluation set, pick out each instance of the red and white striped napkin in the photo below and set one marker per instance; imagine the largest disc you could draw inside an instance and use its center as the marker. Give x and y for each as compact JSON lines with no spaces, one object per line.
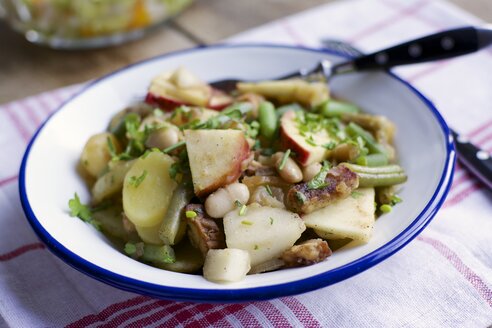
{"x":441,"y":279}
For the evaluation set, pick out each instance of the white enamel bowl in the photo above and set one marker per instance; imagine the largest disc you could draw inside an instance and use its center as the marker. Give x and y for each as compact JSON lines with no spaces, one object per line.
{"x":48,"y":177}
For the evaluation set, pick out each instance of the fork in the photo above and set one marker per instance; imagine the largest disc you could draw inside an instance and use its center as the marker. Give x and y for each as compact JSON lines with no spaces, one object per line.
{"x":477,"y":161}
{"x":442,"y":45}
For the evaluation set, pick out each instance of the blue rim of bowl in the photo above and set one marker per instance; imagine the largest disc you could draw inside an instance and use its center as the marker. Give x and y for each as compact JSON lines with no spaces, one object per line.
{"x":255,"y":293}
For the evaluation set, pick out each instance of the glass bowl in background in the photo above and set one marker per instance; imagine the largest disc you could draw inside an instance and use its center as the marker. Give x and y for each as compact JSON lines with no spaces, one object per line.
{"x":78,"y":24}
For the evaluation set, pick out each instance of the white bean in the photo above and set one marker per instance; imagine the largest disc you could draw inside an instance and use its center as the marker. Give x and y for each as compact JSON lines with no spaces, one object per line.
{"x":290,"y":171}
{"x":238,"y":191}
{"x":219,"y":203}
{"x":310,"y":171}
{"x":222,"y":201}
{"x":266,"y":160}
{"x":162,"y":138}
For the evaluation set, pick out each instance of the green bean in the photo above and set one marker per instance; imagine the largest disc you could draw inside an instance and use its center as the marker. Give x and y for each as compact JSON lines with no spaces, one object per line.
{"x":151,"y":253}
{"x":385,"y":208}
{"x":188,"y":259}
{"x":158,"y":254}
{"x":287,"y":108}
{"x":173,"y":147}
{"x":344,"y":152}
{"x":335,"y":108}
{"x":378,"y":180}
{"x":379,"y":176}
{"x":372,"y":160}
{"x":173,"y":227}
{"x":393,"y":168}
{"x":111,"y":222}
{"x":373,"y":146}
{"x":268,"y":119}
{"x":117,"y":125}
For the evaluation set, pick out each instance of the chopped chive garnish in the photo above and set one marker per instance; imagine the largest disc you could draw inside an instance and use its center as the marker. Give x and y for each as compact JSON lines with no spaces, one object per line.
{"x":395,"y":200}
{"x":130,"y":249}
{"x":257,"y":145}
{"x":284,"y":160}
{"x":330,"y":145}
{"x":190,"y":214}
{"x":385,"y":208}
{"x":112,"y":150}
{"x":136,"y":181}
{"x":147,"y":152}
{"x":174,"y":169}
{"x":310,"y":141}
{"x":256,"y":247}
{"x":173,"y":147}
{"x":271,"y":220}
{"x":301,"y":198}
{"x":242,"y":211}
{"x":237,"y":203}
{"x":269,"y":190}
{"x":246,"y":222}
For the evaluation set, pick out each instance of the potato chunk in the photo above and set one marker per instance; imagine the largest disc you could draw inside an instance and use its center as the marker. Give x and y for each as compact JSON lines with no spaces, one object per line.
{"x":148,"y":189}
{"x":150,"y":235}
{"x":351,"y":217}
{"x":111,"y":182}
{"x":95,"y":155}
{"x":265,"y":232}
{"x":289,"y":91}
{"x":226,"y":265}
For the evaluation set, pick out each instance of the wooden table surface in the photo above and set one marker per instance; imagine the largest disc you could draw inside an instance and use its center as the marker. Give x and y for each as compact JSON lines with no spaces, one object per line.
{"x":26,"y":69}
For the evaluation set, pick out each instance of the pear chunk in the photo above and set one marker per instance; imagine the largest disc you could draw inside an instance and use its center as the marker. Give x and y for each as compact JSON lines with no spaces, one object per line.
{"x":265,"y":232}
{"x":352,"y":217}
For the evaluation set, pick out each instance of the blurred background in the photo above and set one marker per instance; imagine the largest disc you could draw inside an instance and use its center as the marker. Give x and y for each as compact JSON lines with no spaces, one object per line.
{"x":71,"y":25}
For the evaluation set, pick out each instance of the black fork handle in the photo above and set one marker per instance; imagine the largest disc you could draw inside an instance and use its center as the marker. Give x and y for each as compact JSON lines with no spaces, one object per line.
{"x":476,"y":160}
{"x":442,"y":45}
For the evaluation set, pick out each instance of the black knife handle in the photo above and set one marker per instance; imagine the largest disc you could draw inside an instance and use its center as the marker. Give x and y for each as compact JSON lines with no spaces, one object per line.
{"x":478,"y":161}
{"x":442,"y":45}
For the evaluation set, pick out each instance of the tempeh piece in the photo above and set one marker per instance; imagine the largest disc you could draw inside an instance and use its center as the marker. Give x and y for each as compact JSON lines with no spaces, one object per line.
{"x":340,"y":182}
{"x":203,"y":231}
{"x":309,"y":252}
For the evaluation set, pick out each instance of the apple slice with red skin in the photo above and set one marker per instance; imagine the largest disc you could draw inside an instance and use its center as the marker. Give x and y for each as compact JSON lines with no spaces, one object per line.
{"x":180,"y":87}
{"x":216,"y":158}
{"x":292,"y":139}
{"x":219,"y":100}
{"x":167,"y":104}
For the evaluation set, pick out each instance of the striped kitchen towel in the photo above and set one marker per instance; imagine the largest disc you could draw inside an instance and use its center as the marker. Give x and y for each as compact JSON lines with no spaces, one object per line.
{"x":441,"y":279}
